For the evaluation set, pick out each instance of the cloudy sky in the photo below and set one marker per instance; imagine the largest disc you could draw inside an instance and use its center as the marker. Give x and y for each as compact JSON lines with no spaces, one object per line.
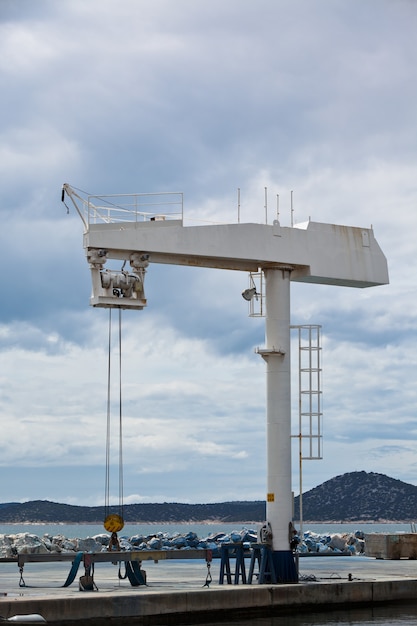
{"x":202,"y":97}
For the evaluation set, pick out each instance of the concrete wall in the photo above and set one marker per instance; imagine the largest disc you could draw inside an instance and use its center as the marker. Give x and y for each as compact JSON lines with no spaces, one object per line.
{"x":152,"y":607}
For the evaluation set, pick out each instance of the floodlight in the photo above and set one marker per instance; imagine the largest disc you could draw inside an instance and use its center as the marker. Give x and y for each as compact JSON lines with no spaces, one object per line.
{"x":249,"y":294}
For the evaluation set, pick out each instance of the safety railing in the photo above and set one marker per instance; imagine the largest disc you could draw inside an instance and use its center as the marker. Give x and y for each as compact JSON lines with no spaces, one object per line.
{"x":139,"y":207}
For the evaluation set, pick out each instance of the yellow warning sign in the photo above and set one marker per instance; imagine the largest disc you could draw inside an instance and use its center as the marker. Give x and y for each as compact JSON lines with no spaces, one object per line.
{"x":270,"y":497}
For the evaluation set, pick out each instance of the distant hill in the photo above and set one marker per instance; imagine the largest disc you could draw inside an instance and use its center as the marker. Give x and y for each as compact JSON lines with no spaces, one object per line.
{"x":168,"y":512}
{"x":360,"y":496}
{"x":356,"y":496}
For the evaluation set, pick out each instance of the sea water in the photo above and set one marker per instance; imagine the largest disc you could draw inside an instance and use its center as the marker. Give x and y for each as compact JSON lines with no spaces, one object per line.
{"x":378,"y":616}
{"x":81,"y":531}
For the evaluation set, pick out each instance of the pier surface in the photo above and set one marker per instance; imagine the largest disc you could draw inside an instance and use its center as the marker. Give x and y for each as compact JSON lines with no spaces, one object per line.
{"x":177,"y":592}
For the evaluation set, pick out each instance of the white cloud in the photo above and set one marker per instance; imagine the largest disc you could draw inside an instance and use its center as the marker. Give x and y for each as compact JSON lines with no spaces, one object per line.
{"x":202,"y":98}
{"x":34,"y":152}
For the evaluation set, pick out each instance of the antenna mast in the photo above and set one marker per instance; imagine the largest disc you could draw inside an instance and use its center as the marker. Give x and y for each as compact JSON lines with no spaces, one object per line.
{"x":292,"y":210}
{"x":266,"y":205}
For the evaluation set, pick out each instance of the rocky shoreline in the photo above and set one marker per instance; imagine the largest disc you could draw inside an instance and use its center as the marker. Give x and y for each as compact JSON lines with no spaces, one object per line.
{"x":11,"y":545}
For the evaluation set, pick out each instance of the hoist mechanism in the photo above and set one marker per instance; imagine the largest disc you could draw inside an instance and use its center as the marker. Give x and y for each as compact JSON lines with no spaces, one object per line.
{"x":117,"y":289}
{"x":111,"y":288}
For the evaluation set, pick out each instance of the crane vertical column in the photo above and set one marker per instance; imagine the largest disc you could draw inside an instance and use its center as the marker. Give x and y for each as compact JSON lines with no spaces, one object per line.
{"x":278,"y":387}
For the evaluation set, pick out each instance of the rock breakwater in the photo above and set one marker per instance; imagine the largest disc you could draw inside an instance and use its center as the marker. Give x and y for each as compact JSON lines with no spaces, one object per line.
{"x":12,"y":545}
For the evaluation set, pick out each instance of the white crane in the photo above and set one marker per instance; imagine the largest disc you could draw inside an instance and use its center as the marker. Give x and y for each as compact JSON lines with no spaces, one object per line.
{"x":311,"y":252}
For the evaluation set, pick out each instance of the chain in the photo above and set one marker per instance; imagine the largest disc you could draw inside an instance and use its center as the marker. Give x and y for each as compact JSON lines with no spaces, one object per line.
{"x":208,"y":577}
{"x":21,"y":581}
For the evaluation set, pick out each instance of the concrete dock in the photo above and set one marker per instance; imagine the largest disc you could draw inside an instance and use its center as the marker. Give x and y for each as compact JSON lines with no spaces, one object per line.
{"x":177,"y":592}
